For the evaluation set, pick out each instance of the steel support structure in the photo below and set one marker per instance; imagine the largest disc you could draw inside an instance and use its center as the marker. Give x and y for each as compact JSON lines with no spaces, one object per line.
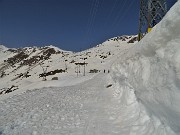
{"x":151,"y":13}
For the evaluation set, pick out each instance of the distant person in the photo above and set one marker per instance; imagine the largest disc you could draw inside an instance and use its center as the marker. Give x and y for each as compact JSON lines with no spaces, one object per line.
{"x":104,"y":71}
{"x":108,"y":71}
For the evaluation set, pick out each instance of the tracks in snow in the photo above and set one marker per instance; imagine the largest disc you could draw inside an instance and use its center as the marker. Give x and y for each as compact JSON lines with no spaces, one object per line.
{"x":84,"y":109}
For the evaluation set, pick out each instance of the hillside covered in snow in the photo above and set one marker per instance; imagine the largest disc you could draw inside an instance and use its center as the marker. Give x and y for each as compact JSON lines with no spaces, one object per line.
{"x":119,"y":87}
{"x":24,"y":68}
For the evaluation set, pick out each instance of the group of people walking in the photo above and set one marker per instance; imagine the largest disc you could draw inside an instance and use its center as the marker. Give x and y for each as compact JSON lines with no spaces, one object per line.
{"x":106,"y":71}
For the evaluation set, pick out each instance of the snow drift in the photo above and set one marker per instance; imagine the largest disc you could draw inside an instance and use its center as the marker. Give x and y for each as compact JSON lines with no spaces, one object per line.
{"x":152,"y":69}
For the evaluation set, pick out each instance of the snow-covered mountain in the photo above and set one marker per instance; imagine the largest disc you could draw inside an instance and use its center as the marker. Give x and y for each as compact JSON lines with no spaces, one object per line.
{"x":139,"y":96}
{"x":3,"y":48}
{"x":23,"y":68}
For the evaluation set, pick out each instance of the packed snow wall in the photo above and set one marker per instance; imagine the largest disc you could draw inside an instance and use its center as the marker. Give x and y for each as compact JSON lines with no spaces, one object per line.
{"x":152,"y":69}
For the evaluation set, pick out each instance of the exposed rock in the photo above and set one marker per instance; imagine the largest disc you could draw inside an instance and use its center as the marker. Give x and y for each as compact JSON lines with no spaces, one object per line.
{"x":55,"y":78}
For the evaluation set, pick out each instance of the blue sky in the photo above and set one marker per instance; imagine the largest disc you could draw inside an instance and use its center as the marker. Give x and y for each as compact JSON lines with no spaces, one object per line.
{"x":68,"y":24}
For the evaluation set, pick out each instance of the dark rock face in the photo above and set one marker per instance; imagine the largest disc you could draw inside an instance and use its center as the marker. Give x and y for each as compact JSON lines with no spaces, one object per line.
{"x":17,"y":58}
{"x":8,"y":90}
{"x":129,"y":39}
{"x":133,"y":40}
{"x":55,"y":78}
{"x":52,"y":72}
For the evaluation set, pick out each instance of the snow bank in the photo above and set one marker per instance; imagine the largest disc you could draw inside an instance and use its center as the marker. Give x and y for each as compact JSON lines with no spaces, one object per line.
{"x":152,"y":70}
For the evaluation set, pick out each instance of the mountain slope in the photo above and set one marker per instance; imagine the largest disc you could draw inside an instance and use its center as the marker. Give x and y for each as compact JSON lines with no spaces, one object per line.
{"x":24,"y":68}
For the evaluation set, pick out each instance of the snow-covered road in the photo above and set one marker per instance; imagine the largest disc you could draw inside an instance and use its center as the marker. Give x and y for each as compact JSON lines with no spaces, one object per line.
{"x":83,"y":109}
{"x":88,"y":108}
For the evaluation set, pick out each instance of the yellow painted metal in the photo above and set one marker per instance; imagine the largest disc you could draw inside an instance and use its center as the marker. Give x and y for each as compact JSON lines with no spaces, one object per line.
{"x":149,"y":30}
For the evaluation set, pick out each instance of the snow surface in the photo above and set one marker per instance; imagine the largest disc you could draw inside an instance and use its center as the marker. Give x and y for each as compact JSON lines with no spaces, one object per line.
{"x":88,"y":108}
{"x":152,"y":70}
{"x":140,"y":95}
{"x":3,"y":48}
